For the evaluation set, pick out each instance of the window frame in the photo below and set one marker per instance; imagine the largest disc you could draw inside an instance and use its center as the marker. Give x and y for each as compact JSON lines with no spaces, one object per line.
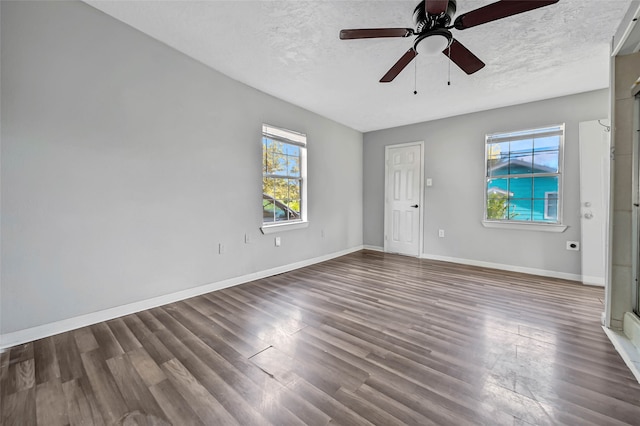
{"x":298,"y":139}
{"x":522,"y":134}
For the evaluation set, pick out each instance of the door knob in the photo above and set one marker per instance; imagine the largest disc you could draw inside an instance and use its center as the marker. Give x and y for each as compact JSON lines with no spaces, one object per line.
{"x":415,"y":206}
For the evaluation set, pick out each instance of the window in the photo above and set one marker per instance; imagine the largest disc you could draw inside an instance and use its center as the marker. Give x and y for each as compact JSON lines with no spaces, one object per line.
{"x":283,"y":177}
{"x":523,"y":178}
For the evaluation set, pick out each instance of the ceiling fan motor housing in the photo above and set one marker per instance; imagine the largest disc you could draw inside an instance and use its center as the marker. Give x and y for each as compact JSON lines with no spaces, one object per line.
{"x":425,"y":22}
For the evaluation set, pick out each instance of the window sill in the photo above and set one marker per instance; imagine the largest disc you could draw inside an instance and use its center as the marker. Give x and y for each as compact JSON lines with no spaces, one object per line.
{"x":280,"y":227}
{"x":543,"y":227}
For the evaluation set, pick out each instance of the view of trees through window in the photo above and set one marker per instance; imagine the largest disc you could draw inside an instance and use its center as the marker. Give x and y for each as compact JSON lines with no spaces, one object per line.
{"x":523,"y":175}
{"x":281,"y":179}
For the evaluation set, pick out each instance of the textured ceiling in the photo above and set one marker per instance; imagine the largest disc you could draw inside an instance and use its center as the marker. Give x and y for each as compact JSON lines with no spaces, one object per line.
{"x":291,"y":50}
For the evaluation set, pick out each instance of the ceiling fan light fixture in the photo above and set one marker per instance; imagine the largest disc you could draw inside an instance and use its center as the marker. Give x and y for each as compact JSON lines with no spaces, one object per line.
{"x":433,"y":43}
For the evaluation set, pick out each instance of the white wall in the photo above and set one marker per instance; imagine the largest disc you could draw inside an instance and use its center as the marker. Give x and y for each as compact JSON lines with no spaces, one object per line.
{"x":125,"y":163}
{"x":454,"y":156}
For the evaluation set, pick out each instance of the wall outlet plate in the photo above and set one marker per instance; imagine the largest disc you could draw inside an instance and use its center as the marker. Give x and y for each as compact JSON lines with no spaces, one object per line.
{"x":277,"y":241}
{"x":573,"y":245}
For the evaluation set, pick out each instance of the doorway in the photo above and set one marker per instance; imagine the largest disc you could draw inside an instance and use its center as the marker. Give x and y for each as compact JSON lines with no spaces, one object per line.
{"x":404,"y":180}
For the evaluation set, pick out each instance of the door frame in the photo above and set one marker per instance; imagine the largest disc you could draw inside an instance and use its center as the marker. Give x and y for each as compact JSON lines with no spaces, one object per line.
{"x":635,"y":208}
{"x":386,"y":215}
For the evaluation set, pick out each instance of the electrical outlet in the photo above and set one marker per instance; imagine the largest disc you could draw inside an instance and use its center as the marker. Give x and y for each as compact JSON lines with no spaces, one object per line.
{"x":221,"y":248}
{"x":429,"y":182}
{"x":277,"y":241}
{"x":441,"y":233}
{"x":573,"y":245}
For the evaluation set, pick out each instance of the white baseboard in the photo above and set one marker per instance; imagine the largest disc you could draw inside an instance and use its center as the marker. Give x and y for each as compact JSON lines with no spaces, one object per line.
{"x":627,"y":350}
{"x":503,"y":267}
{"x":595,"y":281}
{"x":34,"y":333}
{"x":631,"y":329}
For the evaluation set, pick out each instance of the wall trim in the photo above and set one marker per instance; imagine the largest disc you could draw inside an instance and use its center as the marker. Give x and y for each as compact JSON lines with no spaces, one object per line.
{"x":41,"y":331}
{"x":524,"y":226}
{"x":629,"y":353}
{"x":504,"y":267}
{"x":631,"y":329}
{"x":594,"y":281}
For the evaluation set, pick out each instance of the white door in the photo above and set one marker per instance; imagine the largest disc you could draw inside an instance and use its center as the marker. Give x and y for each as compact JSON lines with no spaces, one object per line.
{"x":403,"y":199}
{"x":594,"y":194}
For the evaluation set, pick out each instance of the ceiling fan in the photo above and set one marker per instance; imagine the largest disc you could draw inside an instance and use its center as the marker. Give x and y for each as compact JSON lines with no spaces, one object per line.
{"x":433,"y":19}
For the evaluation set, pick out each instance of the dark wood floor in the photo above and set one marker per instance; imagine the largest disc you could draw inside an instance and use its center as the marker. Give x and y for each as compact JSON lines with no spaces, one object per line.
{"x":367,"y":338}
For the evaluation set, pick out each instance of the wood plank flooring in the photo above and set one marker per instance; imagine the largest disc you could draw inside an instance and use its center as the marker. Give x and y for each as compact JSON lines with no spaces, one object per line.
{"x":368,"y":338}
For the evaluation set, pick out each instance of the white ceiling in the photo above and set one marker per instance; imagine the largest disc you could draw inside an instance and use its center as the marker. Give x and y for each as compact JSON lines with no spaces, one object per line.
{"x":291,"y":50}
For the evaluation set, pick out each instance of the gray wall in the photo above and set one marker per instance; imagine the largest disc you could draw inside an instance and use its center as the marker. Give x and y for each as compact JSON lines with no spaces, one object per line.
{"x":454,"y":156}
{"x":126,"y":163}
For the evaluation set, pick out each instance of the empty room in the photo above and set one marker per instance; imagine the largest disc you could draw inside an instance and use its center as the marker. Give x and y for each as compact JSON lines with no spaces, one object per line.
{"x":450,"y":226}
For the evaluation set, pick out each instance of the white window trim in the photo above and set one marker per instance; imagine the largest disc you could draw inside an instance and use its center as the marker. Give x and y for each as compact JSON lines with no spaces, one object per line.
{"x":286,"y":226}
{"x":525,"y":226}
{"x":272,"y":228}
{"x":522,"y":225}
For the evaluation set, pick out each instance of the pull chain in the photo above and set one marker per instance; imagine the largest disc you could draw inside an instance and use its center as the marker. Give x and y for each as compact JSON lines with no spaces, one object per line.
{"x":415,"y":77}
{"x":449,"y":72}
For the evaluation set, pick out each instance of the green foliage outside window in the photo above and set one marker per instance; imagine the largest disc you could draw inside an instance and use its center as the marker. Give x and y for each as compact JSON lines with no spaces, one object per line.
{"x":281,"y":179}
{"x":498,"y":207}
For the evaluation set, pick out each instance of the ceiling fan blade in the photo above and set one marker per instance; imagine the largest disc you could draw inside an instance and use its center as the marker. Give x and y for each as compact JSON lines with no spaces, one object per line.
{"x":375,"y":33}
{"x":498,"y":10}
{"x":436,"y":7}
{"x":399,"y":66}
{"x":462,"y":57}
